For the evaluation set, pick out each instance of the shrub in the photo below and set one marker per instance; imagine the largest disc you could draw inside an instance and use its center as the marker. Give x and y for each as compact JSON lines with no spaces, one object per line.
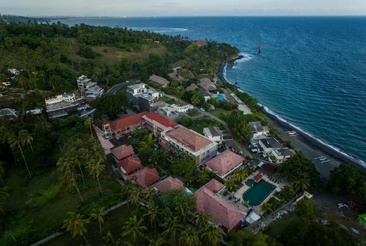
{"x":46,"y":195}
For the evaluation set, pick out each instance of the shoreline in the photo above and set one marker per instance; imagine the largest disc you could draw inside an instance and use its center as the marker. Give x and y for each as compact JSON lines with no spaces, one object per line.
{"x":308,"y":145}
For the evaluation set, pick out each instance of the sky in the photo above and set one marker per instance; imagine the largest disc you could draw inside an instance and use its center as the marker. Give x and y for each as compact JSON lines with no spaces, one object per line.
{"x":144,"y":8}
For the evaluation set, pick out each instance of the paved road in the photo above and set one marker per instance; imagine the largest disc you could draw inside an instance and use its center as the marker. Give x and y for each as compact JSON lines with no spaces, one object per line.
{"x":117,"y":87}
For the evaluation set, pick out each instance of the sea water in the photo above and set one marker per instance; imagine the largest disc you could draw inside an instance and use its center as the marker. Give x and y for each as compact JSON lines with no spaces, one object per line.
{"x":311,"y":71}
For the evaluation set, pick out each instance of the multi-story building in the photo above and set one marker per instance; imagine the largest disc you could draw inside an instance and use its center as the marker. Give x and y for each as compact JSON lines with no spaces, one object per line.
{"x":145,"y":99}
{"x":88,"y":88}
{"x":63,"y":105}
{"x":185,"y":142}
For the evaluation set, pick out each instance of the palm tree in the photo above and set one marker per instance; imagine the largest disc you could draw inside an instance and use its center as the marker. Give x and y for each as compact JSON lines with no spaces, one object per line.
{"x":26,"y":138}
{"x":98,"y":214}
{"x":2,"y":172}
{"x":135,"y":196}
{"x":212,"y":235}
{"x":266,"y":208}
{"x":88,"y":123}
{"x":3,"y":196}
{"x":110,"y":240}
{"x":301,"y":183}
{"x":65,"y":169}
{"x":95,"y":168}
{"x":152,"y":214}
{"x":195,"y":100}
{"x":172,"y":227}
{"x":157,"y":241}
{"x":240,"y":175}
{"x":75,"y":224}
{"x":134,"y":230}
{"x":189,"y":236}
{"x":230,"y":184}
{"x":14,"y":142}
{"x":201,"y":220}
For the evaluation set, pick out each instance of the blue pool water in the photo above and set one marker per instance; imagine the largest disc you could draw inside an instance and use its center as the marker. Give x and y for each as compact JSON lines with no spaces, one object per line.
{"x":220,"y":97}
{"x":258,"y":192}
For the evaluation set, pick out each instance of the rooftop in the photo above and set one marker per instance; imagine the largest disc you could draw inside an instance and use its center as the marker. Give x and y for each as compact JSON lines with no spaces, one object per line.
{"x":256,"y":126}
{"x":188,"y":138}
{"x":129,"y":164}
{"x":146,"y":177}
{"x":159,"y":80}
{"x":270,"y":143}
{"x":127,"y":121}
{"x":153,"y":116}
{"x":221,"y":211}
{"x":169,"y":183}
{"x":225,"y":162}
{"x":122,"y":151}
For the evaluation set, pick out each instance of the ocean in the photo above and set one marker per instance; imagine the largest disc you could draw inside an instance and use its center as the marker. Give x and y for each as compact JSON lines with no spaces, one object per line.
{"x":311,"y":72}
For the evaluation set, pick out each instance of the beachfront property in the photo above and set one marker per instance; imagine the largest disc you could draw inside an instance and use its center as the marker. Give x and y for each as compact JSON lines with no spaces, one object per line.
{"x":169,"y":112}
{"x":157,"y":123}
{"x":258,"y":130}
{"x":213,"y":133}
{"x":185,"y":142}
{"x":280,"y":155}
{"x":222,"y":213}
{"x":207,"y":84}
{"x":269,"y":144}
{"x":163,"y":82}
{"x":224,"y":163}
{"x":90,"y":90}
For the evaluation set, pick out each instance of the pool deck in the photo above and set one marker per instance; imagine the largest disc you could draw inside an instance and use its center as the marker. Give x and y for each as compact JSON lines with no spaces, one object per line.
{"x":239,"y":193}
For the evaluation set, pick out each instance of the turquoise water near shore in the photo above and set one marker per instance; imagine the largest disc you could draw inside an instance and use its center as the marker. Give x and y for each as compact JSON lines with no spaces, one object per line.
{"x":311,"y":71}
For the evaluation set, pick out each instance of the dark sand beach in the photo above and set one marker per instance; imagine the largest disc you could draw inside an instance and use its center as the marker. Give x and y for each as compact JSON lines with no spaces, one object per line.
{"x":311,"y":148}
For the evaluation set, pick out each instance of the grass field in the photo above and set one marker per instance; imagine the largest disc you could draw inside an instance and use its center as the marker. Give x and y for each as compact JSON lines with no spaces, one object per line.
{"x":37,"y":207}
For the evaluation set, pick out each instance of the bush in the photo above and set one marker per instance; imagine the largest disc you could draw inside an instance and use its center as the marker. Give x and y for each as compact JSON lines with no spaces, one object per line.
{"x":46,"y":195}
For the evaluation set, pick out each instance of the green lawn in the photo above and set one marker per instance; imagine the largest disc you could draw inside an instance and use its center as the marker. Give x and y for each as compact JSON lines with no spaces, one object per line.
{"x":218,"y":112}
{"x":277,"y":227}
{"x":37,"y":208}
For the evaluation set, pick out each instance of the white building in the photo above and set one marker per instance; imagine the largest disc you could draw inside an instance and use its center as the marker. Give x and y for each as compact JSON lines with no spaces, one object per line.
{"x":140,"y":90}
{"x":61,"y":98}
{"x":182,"y":107}
{"x":280,"y":155}
{"x":269,"y":144}
{"x":258,"y":130}
{"x":169,"y":112}
{"x":213,"y":133}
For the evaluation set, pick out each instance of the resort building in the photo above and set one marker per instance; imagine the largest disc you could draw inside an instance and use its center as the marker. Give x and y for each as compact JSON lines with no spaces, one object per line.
{"x":122,"y":152}
{"x":205,"y":93}
{"x":207,"y":84}
{"x":163,"y":82}
{"x":90,"y":90}
{"x":169,"y":183}
{"x":258,"y":130}
{"x":169,"y":112}
{"x":157,"y":123}
{"x":185,"y":142}
{"x":222,"y":213}
{"x":269,"y":144}
{"x":280,"y":155}
{"x":213,"y":133}
{"x":124,"y":125}
{"x":129,"y":166}
{"x":145,"y":177}
{"x":192,"y":87}
{"x":224,"y":163}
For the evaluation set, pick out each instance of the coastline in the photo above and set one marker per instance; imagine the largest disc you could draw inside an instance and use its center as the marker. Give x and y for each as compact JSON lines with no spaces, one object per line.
{"x":308,"y":145}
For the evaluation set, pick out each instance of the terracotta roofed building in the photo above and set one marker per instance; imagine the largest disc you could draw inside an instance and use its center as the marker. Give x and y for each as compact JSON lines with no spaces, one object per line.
{"x":145,"y":177}
{"x":225,"y":163}
{"x":169,"y":183}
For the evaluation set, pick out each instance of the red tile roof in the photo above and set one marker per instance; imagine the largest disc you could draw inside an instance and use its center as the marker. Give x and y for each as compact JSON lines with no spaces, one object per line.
{"x":122,"y":152}
{"x":130,"y":164}
{"x":189,"y":138}
{"x":169,"y":183}
{"x":214,"y":185}
{"x":221,"y":211}
{"x":146,"y":177}
{"x":127,"y":121}
{"x":258,"y":177}
{"x":225,"y":162}
{"x":153,"y":116}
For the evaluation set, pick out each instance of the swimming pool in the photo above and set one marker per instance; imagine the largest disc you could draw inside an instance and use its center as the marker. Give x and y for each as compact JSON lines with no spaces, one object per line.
{"x":221,"y":97}
{"x":258,"y":192}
